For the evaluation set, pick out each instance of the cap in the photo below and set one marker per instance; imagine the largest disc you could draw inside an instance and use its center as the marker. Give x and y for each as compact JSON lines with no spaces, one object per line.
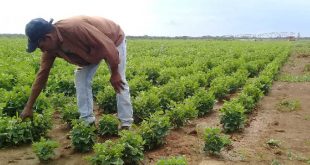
{"x":35,"y":30}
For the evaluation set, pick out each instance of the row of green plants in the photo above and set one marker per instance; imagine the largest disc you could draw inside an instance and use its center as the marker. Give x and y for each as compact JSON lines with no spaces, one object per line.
{"x":233,"y":112}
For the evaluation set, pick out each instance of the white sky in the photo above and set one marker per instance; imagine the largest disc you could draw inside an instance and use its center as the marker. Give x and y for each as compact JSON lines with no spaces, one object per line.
{"x":169,"y":17}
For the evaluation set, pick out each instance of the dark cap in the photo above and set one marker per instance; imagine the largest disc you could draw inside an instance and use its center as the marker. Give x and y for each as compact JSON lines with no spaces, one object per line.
{"x":35,"y":30}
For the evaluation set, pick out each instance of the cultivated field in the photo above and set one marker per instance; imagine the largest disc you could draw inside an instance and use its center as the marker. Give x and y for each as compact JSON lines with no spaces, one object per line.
{"x":195,"y":102}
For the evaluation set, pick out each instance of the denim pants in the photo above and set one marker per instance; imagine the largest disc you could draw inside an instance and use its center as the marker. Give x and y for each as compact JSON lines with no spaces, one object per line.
{"x":83,"y":83}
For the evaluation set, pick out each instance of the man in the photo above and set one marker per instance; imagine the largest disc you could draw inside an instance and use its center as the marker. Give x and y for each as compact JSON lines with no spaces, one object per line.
{"x":83,"y":41}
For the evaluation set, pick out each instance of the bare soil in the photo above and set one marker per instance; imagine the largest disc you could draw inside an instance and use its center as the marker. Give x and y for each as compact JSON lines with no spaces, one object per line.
{"x":290,"y":129}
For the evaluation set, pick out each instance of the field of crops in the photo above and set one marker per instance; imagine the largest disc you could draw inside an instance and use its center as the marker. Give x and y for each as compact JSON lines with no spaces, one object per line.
{"x":171,"y":82}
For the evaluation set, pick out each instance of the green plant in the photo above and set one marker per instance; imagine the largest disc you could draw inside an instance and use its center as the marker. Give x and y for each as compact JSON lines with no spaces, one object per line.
{"x":177,"y":160}
{"x":106,"y":99}
{"x":15,"y":100}
{"x":219,"y":87}
{"x":14,"y":131}
{"x":253,"y":91}
{"x":133,"y":147}
{"x":232,"y":116}
{"x":154,"y":129}
{"x":246,"y":101}
{"x":70,"y":112}
{"x":181,"y":113}
{"x":40,"y":124}
{"x":138,"y":84}
{"x":83,"y":136}
{"x":172,"y":91}
{"x":145,"y":104}
{"x":204,"y":101}
{"x":108,"y":125}
{"x":214,"y":140}
{"x":288,"y":105}
{"x":107,"y":153}
{"x":44,"y":149}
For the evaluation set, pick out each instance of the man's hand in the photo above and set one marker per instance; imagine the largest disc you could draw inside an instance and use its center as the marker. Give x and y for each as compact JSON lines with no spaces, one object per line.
{"x":117,"y":82}
{"x":27,"y":112}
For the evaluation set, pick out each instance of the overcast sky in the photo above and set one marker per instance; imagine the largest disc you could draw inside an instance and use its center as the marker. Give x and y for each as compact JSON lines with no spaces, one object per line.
{"x":169,"y":17}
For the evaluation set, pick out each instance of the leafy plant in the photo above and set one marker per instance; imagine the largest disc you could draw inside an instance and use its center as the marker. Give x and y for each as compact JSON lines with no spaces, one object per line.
{"x":204,"y":101}
{"x":83,"y":136}
{"x":214,"y":140}
{"x":232,"y":116}
{"x":15,"y":100}
{"x":253,"y":91}
{"x":145,"y":104}
{"x":219,"y":87}
{"x":108,"y":125}
{"x":288,"y":105}
{"x":154,"y":129}
{"x":106,"y":99}
{"x":246,"y":101}
{"x":44,"y":149}
{"x":138,"y":84}
{"x":177,"y":160}
{"x":181,"y":113}
{"x":107,"y":153}
{"x":133,"y":147}
{"x":40,"y":124}
{"x":14,"y":131}
{"x":69,"y":112}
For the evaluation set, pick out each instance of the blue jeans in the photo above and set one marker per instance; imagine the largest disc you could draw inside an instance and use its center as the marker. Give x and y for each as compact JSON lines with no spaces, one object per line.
{"x":83,"y":83}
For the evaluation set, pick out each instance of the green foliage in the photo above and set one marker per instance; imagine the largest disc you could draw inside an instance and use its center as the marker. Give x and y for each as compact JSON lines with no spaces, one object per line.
{"x":83,"y":136}
{"x":152,"y":73}
{"x":70,"y":112}
{"x":214,"y":73}
{"x":154,"y":130}
{"x":181,"y":113}
{"x":44,"y":149}
{"x":41,"y":123}
{"x":14,"y":131}
{"x":15,"y":100}
{"x":145,"y":104}
{"x":246,"y":101}
{"x":204,"y":101}
{"x":178,"y":160}
{"x":214,"y":140}
{"x":219,"y":87}
{"x":138,"y":84}
{"x":252,"y":91}
{"x":107,"y":153}
{"x":106,"y":99}
{"x":173,"y":91}
{"x":108,"y":125}
{"x":7,"y":81}
{"x":287,"y":105}
{"x":61,"y":83}
{"x":59,"y":100}
{"x":133,"y":147}
{"x":232,"y":116}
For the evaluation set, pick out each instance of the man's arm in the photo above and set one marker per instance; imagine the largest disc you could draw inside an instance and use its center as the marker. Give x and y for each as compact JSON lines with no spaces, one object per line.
{"x":47,"y":61}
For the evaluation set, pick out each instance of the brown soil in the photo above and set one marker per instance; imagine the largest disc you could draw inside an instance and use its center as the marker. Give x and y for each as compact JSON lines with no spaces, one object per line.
{"x":290,"y":129}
